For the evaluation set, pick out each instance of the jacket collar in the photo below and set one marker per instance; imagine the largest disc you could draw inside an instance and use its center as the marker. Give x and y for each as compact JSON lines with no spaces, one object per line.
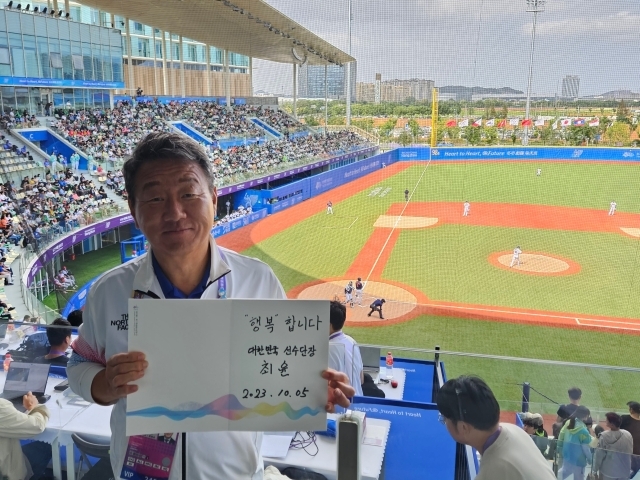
{"x":145,"y":279}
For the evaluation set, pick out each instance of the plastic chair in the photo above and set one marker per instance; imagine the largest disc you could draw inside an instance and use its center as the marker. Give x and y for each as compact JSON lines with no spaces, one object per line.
{"x":89,"y":448}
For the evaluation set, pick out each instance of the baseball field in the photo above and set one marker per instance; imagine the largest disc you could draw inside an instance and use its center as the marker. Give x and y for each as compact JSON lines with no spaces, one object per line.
{"x":447,"y":279}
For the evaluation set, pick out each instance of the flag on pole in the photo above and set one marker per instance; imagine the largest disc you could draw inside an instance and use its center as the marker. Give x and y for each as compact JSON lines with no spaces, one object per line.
{"x":595,"y":122}
{"x":502,"y":123}
{"x":565,"y":122}
{"x":464,"y":123}
{"x":451,"y":123}
{"x":514,"y":122}
{"x":579,"y":122}
{"x":478,"y":123}
{"x":490,"y":123}
{"x":539,"y":123}
{"x":527,"y":122}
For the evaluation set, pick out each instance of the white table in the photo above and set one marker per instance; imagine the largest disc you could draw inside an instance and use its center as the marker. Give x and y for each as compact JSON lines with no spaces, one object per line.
{"x":326,"y":461}
{"x":393,"y":393}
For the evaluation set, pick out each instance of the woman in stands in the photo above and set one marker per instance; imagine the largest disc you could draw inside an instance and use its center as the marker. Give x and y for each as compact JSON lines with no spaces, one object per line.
{"x":573,"y":445}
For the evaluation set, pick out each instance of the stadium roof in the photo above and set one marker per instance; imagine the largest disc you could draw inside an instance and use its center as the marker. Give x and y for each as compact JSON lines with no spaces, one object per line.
{"x":248,"y":27}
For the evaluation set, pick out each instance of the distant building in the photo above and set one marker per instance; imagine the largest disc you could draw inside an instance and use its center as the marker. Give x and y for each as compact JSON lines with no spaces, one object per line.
{"x":571,"y":86}
{"x":396,"y":91}
{"x":311,"y":81}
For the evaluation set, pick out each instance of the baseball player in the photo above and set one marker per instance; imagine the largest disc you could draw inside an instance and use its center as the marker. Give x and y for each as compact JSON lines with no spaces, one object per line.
{"x":538,"y":172}
{"x":348,"y":294}
{"x":467,"y":207}
{"x":406,"y":195}
{"x":359,"y":289}
{"x":612,"y":208}
{"x":329,"y":208}
{"x":516,"y":256}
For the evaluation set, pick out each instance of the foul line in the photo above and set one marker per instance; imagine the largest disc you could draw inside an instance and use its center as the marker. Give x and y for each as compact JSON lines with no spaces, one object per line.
{"x":397,"y":221}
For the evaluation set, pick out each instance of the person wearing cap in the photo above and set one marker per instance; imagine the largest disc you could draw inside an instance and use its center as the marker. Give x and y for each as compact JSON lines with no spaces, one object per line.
{"x":376,"y":306}
{"x":533,"y":424}
{"x":615,"y":447}
{"x":471,"y":414}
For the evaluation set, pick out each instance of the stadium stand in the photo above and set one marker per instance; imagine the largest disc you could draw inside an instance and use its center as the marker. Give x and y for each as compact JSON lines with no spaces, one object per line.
{"x":110,"y":135}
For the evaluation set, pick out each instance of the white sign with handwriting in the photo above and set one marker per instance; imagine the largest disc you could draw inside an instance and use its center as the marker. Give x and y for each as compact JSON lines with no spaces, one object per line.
{"x":239,"y":365}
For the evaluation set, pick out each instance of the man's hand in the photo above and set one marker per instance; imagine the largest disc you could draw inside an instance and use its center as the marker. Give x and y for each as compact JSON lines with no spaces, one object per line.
{"x":112,"y":383}
{"x":339,"y":389}
{"x":29,"y":402}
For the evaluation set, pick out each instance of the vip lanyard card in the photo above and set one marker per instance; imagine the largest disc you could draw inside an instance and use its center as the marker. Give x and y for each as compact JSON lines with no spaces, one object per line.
{"x":229,"y":365}
{"x":149,"y":457}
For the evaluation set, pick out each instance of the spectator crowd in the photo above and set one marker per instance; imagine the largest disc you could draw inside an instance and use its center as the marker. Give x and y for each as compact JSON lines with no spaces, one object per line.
{"x":110,"y":135}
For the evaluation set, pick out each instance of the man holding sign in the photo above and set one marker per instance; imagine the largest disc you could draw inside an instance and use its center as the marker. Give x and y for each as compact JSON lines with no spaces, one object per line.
{"x":173,"y":201}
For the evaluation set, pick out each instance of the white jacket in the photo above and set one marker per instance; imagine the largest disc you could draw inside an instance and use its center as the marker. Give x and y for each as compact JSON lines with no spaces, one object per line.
{"x":212,"y":455}
{"x":15,"y":425}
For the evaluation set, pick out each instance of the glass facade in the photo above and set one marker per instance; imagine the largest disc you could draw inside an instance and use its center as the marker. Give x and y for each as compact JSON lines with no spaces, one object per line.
{"x":77,"y":61}
{"x":46,"y":59}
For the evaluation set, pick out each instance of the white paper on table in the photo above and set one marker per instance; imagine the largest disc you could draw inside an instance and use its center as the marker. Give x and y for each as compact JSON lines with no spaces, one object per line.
{"x":239,"y":365}
{"x":276,"y":445}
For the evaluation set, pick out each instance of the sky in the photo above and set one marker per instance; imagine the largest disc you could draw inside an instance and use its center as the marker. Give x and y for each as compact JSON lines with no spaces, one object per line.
{"x":475,"y":42}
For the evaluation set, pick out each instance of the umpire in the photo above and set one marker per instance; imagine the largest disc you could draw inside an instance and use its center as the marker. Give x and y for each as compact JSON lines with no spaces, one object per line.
{"x":376,"y":306}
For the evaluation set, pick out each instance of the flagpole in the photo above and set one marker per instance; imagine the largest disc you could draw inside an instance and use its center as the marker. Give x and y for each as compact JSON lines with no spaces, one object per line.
{"x":534,"y":6}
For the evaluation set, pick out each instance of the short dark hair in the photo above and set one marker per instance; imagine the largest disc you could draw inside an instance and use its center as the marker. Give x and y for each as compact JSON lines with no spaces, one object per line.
{"x":575,"y":393}
{"x":57,"y":335}
{"x":614,"y":419}
{"x":165,"y":146}
{"x":337,"y":315}
{"x":469,"y":399}
{"x":75,"y":318}
{"x":634,"y":406}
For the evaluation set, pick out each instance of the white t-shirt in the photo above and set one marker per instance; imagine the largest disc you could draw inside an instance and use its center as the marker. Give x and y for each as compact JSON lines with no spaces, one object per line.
{"x":344,"y":356}
{"x":514,"y":456}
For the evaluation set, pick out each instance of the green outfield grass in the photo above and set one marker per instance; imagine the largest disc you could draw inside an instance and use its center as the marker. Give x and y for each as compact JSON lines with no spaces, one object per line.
{"x":449,"y":262}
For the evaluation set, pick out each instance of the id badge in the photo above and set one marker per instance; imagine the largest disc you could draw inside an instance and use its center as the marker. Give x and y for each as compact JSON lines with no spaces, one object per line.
{"x":149,"y":457}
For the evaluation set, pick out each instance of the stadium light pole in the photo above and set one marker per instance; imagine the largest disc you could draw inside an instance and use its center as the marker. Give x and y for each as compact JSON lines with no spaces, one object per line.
{"x":348,"y":65}
{"x":534,"y":6}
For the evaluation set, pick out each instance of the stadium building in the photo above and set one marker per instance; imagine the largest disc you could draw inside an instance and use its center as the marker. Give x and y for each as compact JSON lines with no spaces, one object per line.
{"x":78,"y":55}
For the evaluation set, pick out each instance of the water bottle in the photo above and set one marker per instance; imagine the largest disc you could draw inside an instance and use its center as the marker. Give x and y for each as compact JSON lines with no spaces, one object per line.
{"x":7,"y":361}
{"x":389,"y":366}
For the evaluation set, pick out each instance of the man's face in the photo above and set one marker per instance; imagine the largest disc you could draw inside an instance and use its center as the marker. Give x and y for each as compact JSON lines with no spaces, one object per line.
{"x":174,"y":207}
{"x":529,"y":429}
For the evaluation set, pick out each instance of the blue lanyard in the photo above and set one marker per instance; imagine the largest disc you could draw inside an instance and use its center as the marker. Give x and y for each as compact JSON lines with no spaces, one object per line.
{"x":222,"y":281}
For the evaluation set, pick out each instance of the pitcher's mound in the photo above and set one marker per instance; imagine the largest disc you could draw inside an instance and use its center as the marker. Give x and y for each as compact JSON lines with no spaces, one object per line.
{"x":634,"y":232}
{"x":399,"y":301}
{"x":390,"y":221}
{"x":535,"y":264}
